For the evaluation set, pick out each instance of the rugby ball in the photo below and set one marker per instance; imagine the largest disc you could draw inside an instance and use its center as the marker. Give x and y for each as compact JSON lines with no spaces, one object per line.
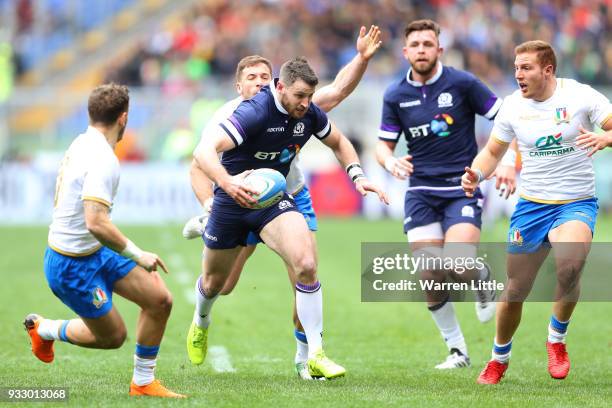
{"x":269,"y":183}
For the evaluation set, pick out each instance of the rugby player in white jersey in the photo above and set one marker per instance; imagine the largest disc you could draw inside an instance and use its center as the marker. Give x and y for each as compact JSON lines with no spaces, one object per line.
{"x":553,"y":120}
{"x":252,"y":73}
{"x":88,"y":258}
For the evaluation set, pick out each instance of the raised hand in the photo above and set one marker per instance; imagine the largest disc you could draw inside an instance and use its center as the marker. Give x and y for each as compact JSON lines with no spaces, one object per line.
{"x":368,"y":44}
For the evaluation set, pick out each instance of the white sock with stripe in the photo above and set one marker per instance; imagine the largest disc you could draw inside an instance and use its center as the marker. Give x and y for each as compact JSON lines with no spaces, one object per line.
{"x":446,"y":320}
{"x":309,"y":305}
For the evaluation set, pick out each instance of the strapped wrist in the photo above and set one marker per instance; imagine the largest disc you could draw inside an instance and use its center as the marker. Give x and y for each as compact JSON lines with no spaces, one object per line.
{"x":480,"y":175}
{"x":131,"y":251}
{"x":355,"y":171}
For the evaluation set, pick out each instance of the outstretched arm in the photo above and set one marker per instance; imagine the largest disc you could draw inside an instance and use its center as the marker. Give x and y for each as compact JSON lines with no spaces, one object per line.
{"x":99,"y":224}
{"x":347,"y":79}
{"x":483,"y":165}
{"x":347,"y":156}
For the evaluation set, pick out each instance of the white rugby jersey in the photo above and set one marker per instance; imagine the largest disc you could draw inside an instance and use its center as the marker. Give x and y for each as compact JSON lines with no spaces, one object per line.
{"x":555,"y":170}
{"x":89,"y":171}
{"x":295,"y":177}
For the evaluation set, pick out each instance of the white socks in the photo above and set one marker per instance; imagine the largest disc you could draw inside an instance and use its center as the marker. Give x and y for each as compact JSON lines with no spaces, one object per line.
{"x":444,"y":316}
{"x":144,"y":370}
{"x":201,"y":317}
{"x":309,"y":305}
{"x":301,"y":353}
{"x":501,"y":352}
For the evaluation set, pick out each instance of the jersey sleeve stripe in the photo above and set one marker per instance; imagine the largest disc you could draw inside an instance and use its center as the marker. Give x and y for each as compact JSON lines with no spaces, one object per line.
{"x":97,"y":199}
{"x":501,"y":142}
{"x":385,"y":135}
{"x":390,"y":128}
{"x":605,"y":120}
{"x":494,"y":109}
{"x":232,"y":132}
{"x":325,"y":132}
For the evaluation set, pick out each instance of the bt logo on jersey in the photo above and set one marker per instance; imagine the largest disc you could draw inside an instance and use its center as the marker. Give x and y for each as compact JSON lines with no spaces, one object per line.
{"x":440,"y":126}
{"x":284,"y":156}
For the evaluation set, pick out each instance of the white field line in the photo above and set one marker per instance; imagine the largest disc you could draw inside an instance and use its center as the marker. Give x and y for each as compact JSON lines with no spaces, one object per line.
{"x":220,"y":360}
{"x":218,"y":356}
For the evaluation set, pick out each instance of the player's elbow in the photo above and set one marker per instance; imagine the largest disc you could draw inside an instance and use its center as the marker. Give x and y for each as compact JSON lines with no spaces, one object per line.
{"x":94,"y":224}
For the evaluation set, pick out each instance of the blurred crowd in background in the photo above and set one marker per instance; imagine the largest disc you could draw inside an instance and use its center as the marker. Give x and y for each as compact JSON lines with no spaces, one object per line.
{"x":479,"y":36}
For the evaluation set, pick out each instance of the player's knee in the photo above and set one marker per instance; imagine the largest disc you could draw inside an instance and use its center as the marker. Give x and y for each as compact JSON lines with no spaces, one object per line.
{"x":115,"y":339}
{"x":163,"y":303}
{"x":227,"y":288}
{"x":306,"y":269}
{"x":568,"y":275}
{"x":433,"y":275}
{"x":516,"y":291}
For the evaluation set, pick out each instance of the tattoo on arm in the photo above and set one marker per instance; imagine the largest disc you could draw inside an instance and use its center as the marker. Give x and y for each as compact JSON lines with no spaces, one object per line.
{"x":95,"y":207}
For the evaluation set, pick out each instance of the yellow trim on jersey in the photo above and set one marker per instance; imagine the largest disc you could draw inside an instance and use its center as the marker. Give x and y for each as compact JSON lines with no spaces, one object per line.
{"x":603,"y":123}
{"x":501,"y":142}
{"x":542,"y":201}
{"x":96,"y":199}
{"x":298,"y":191}
{"x":75,"y":255}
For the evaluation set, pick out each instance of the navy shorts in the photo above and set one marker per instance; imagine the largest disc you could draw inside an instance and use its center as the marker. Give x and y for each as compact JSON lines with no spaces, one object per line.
{"x":229,"y":224}
{"x":424,"y":207}
{"x":85,"y":284}
{"x":304,"y":204}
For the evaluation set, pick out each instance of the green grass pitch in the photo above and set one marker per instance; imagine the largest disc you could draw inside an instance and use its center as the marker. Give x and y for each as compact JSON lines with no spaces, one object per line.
{"x":389,"y":349}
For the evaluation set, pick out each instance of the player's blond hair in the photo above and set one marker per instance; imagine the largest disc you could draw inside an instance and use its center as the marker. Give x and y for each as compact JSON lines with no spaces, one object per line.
{"x":250,"y":61}
{"x":544,"y":52}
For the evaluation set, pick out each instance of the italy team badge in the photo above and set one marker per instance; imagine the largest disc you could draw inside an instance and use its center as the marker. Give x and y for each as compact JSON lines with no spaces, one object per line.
{"x":561,"y":115}
{"x":99,"y":297}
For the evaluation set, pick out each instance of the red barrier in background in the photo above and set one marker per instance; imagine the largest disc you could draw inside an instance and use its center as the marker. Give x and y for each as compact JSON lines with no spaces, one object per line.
{"x":333,"y":193}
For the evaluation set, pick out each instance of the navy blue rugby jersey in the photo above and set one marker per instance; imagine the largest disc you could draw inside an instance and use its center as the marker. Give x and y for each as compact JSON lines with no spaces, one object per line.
{"x":437,"y":119}
{"x":266,"y":136}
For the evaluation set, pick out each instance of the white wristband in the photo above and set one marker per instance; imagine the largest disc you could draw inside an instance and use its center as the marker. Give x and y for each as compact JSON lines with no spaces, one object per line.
{"x":355,"y":171}
{"x":390,"y":164}
{"x":131,"y":251}
{"x":509,"y":158}
{"x":480,"y":175}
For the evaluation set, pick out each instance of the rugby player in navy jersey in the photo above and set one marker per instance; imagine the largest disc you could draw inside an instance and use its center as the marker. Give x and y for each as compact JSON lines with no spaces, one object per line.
{"x":252,"y":73}
{"x":435,"y":107}
{"x":279,"y":118}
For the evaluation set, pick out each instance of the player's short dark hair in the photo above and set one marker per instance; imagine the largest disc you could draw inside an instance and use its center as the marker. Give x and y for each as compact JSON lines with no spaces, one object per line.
{"x":422,"y":25}
{"x":107,"y":102}
{"x":544,"y":51}
{"x":250,"y":61}
{"x":295,"y":69}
